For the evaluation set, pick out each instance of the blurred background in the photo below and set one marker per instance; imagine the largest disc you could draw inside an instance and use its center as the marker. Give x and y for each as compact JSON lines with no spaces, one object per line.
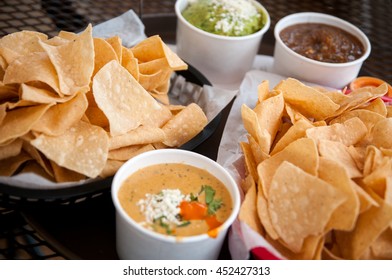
{"x":17,"y":238}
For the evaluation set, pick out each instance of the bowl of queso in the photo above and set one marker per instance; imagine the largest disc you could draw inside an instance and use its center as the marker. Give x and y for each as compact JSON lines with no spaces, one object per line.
{"x":319,"y":48}
{"x":173,"y":204}
{"x":220,"y":38}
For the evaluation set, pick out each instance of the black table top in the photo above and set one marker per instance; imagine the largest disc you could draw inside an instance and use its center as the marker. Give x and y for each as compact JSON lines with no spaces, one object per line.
{"x":86,"y":230}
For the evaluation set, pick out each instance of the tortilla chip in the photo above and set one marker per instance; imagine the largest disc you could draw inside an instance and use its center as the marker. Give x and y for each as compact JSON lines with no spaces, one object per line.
{"x":152,"y":81}
{"x":263,"y":91}
{"x":19,"y":121}
{"x":284,"y":127}
{"x":19,"y":104}
{"x":373,"y":159}
{"x":153,"y":66}
{"x":67,"y":35}
{"x":3,"y":112}
{"x":125,"y":153}
{"x":382,"y":248}
{"x":10,"y":165}
{"x":59,"y":118}
{"x":58,"y":41}
{"x":263,"y":213}
{"x":336,"y":95}
{"x":94,"y":114}
{"x":307,"y":205}
{"x":377,"y":106}
{"x":39,"y":68}
{"x":40,"y":95}
{"x":104,"y":53}
{"x":309,"y":101}
{"x":257,"y":153}
{"x":359,"y":97}
{"x":126,"y":55}
{"x":247,"y":183}
{"x":369,"y":118}
{"x":184,"y":126}
{"x":154,"y":48}
{"x":358,"y":155}
{"x":8,"y":93}
{"x":370,"y":225}
{"x":162,"y":98}
{"x":74,"y":62}
{"x":250,"y":162}
{"x":389,"y":111}
{"x":345,"y":216}
{"x":111,"y":168}
{"x":294,"y":114}
{"x":162,"y":89}
{"x":84,"y":148}
{"x":377,"y":179}
{"x":132,"y":67}
{"x":124,"y":101}
{"x":302,"y":152}
{"x":339,"y":152}
{"x":63,"y":175}
{"x":116,"y":44}
{"x":35,"y":169}
{"x":248,"y":212}
{"x":11,"y":149}
{"x":388,"y":191}
{"x":269,"y":113}
{"x":348,"y":133}
{"x":138,"y":136}
{"x":311,"y":249}
{"x":39,"y":158}
{"x":365,"y":199}
{"x":381,"y":134}
{"x":252,"y":125}
{"x":297,"y":131}
{"x":20,"y":44}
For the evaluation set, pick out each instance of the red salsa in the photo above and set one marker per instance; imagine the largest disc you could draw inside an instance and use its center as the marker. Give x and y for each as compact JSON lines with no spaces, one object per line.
{"x":322,"y":42}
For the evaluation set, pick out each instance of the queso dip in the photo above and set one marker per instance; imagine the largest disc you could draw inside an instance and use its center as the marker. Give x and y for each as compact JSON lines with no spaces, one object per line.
{"x":176,"y":199}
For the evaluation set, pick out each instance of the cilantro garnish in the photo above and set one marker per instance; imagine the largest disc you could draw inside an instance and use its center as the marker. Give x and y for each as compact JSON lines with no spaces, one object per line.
{"x":184,"y":224}
{"x":194,"y":197}
{"x":212,"y":203}
{"x":161,"y":223}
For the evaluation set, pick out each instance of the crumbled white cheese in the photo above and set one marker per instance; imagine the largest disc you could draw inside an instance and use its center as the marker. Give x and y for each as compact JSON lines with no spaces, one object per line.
{"x":235,"y":14}
{"x":165,"y":204}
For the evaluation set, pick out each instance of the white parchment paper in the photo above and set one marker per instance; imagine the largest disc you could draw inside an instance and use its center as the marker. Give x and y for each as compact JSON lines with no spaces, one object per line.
{"x":241,"y":237}
{"x":128,"y":27}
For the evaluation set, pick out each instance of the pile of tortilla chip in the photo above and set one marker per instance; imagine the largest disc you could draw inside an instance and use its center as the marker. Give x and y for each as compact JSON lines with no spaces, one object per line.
{"x":318,"y":171}
{"x":74,"y":107}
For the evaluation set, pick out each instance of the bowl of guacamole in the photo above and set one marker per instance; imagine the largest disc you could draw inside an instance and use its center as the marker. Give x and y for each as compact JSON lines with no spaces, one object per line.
{"x":225,"y":17}
{"x":220,"y":38}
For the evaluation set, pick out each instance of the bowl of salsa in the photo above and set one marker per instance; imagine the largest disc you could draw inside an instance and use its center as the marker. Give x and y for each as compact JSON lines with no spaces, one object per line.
{"x":319,"y":48}
{"x":173,"y":204}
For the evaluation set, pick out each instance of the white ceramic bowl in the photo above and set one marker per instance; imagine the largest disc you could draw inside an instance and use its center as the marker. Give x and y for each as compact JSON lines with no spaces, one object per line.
{"x":133,"y":241}
{"x":224,"y":60}
{"x":291,"y":64}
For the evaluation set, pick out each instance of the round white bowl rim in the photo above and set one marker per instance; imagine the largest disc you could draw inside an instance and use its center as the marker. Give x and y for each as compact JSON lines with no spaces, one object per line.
{"x":359,"y":33}
{"x":167,"y":238}
{"x":223,"y":37}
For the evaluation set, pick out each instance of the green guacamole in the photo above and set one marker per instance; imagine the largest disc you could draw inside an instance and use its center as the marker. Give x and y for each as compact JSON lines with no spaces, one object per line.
{"x":225,"y":17}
